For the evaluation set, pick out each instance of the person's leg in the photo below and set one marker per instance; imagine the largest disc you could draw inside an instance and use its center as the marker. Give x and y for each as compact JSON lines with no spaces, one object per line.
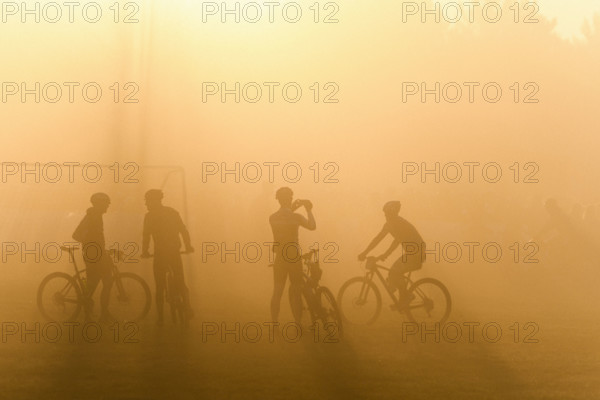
{"x":279,"y":278}
{"x":396,"y":276}
{"x":159,"y":279}
{"x":176,"y":264}
{"x":92,"y":257}
{"x":106,"y":271}
{"x":93,"y":275}
{"x":296,"y":289}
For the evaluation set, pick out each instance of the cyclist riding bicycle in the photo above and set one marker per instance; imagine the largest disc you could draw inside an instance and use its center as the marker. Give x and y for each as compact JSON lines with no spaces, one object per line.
{"x":403,"y":233}
{"x":164,"y":225}
{"x":90,"y":233}
{"x":285,"y":224}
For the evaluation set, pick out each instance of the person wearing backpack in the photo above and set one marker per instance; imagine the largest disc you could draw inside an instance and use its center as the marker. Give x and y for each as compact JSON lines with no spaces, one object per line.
{"x":90,"y":233}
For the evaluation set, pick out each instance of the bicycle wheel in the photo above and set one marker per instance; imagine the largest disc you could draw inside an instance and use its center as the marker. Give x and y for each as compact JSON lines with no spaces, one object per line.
{"x":309,"y":309}
{"x":175,"y":300}
{"x":129,"y":297}
{"x":359,"y":301}
{"x":330,"y":313}
{"x":431,"y":303}
{"x":59,"y":297}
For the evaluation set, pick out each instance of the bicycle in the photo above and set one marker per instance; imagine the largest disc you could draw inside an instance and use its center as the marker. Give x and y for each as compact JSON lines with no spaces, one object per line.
{"x":61,"y":296}
{"x":320,"y":303}
{"x":360,"y":294}
{"x":324,"y":306}
{"x":175,"y":298}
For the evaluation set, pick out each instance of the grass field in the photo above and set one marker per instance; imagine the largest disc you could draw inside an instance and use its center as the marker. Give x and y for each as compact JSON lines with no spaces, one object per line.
{"x":374,"y":362}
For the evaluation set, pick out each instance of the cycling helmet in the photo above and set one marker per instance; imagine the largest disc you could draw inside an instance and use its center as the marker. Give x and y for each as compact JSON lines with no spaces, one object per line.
{"x":99,"y":198}
{"x":154,"y":194}
{"x":392,"y":207}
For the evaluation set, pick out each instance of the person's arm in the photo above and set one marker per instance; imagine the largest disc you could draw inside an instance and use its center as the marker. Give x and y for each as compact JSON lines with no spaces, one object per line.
{"x":185,"y":234}
{"x":376,"y":240}
{"x":309,"y":223}
{"x":80,"y":232}
{"x":393,"y":247}
{"x":145,"y":239}
{"x":275,"y":244}
{"x":312,"y":224}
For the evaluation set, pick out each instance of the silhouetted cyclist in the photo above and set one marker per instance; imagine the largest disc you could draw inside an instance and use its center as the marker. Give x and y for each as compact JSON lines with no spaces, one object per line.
{"x":403,"y":233}
{"x":90,"y":233}
{"x":565,"y":232}
{"x":559,"y":228}
{"x":285,"y":223}
{"x":164,"y":225}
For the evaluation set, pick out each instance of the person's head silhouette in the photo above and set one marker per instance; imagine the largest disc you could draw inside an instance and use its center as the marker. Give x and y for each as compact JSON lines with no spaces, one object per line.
{"x":391,"y":209}
{"x":285,"y":195}
{"x":100,"y":201}
{"x":153,"y":199}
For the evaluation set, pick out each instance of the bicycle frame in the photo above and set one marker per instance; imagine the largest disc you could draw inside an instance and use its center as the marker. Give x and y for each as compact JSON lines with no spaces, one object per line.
{"x":60,"y":294}
{"x":168,"y":276}
{"x":168,"y":283}
{"x":78,"y":272}
{"x":307,"y":261}
{"x":170,"y":297}
{"x":373,"y":269}
{"x":312,"y":287}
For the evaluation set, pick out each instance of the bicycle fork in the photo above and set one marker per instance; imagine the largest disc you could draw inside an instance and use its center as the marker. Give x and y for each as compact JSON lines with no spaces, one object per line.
{"x":364,"y":290}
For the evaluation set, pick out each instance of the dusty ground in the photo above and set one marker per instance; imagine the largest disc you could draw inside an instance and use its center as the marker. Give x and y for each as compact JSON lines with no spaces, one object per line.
{"x":375,"y":362}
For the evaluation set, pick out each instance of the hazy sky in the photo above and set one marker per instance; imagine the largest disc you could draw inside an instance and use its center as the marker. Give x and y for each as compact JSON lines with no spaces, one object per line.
{"x":570,"y":15}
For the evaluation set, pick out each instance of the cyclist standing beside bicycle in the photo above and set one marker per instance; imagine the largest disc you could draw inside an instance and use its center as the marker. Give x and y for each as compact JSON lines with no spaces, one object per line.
{"x":90,"y":233}
{"x":164,"y":225}
{"x":285,"y":224}
{"x":403,"y":233}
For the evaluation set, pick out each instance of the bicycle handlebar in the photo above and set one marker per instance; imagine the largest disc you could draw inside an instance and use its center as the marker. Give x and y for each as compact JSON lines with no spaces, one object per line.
{"x":112,"y":252}
{"x":371,"y":263}
{"x":309,"y":254}
{"x":303,"y":257}
{"x":69,"y":248}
